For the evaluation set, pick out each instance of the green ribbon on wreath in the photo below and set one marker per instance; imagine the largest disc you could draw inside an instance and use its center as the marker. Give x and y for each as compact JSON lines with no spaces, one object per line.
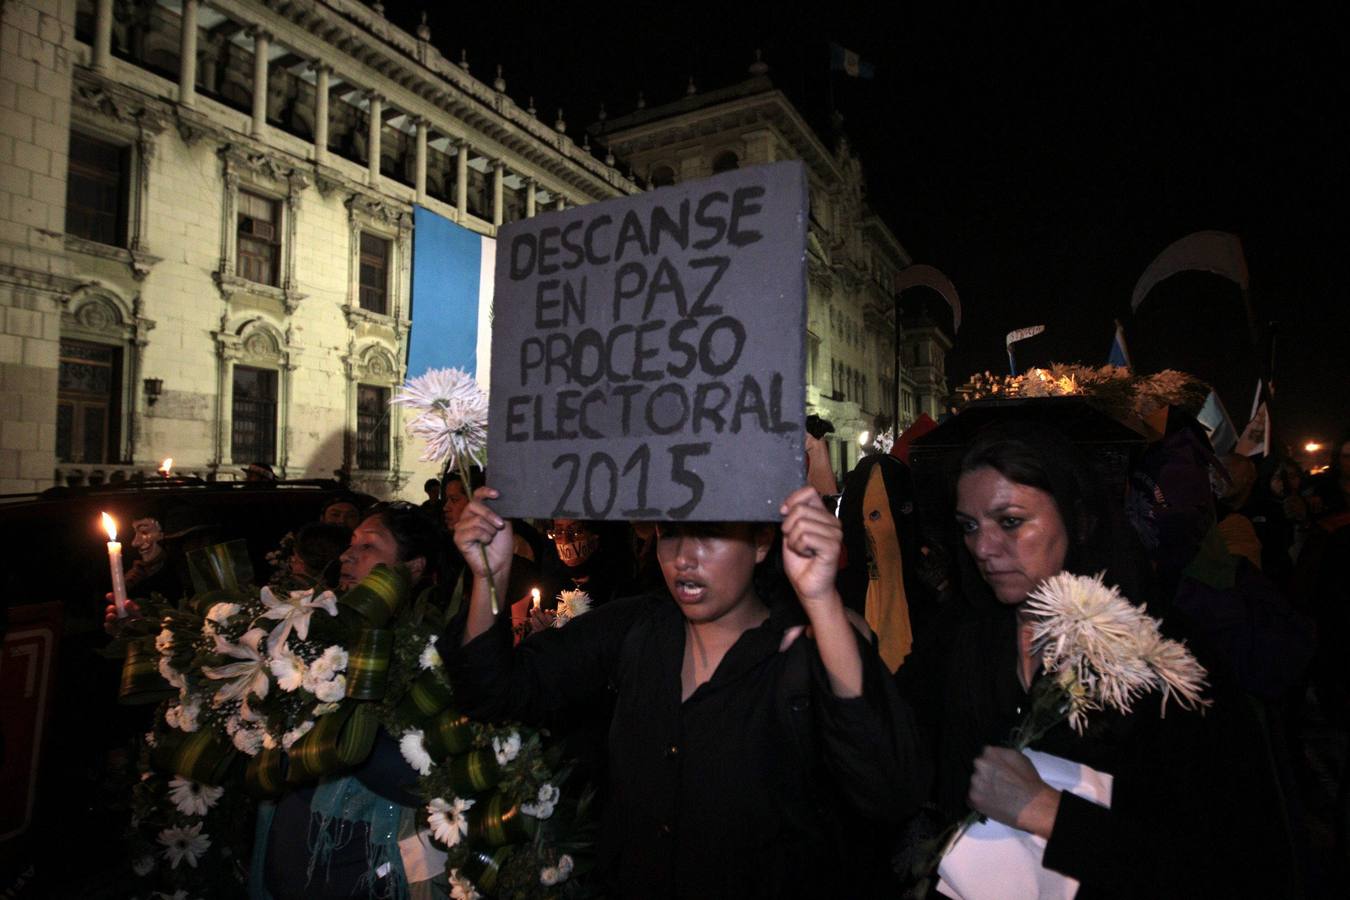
{"x":368,"y":664}
{"x":200,"y":756}
{"x":474,"y":772}
{"x":265,"y":776}
{"x":379,"y":594}
{"x":141,"y":681}
{"x":428,"y":694}
{"x":497,"y":822}
{"x":447,"y":735}
{"x":483,"y":868}
{"x":340,"y":740}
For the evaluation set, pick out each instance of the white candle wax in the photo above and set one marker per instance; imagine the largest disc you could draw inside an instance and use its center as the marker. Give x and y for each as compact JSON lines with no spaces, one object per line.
{"x":119,"y":583}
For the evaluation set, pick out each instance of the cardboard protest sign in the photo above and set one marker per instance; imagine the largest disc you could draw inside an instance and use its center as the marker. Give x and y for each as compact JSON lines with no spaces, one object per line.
{"x":647,"y":354}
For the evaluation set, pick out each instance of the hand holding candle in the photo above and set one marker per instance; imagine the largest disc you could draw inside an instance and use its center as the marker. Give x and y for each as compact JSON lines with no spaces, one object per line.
{"x":119,"y":584}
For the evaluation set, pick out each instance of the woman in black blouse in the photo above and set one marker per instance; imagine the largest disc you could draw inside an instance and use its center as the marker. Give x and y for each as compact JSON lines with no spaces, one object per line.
{"x":740,"y":755}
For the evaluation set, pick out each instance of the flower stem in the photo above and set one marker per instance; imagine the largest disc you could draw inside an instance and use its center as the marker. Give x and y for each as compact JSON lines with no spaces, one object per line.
{"x":492,"y":583}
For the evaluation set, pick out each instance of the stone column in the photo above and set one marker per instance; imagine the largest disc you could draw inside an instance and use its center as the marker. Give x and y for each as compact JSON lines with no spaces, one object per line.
{"x":462,"y":179}
{"x":561,"y":203}
{"x":420,"y":175}
{"x":187,"y":55}
{"x":321,"y":73}
{"x":498,"y":204}
{"x":530,"y":190}
{"x":103,"y":21}
{"x":373,"y":140}
{"x":262,"y":48}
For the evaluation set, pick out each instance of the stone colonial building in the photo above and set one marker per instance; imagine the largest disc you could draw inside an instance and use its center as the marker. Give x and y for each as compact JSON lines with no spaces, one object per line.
{"x":853,"y":257}
{"x":206,"y":220}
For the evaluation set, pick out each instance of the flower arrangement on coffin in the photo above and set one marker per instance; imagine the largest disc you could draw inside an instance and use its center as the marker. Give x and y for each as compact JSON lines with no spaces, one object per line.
{"x":270,"y":690}
{"x":1115,"y":389}
{"x":452,"y":420}
{"x":1098,"y":652}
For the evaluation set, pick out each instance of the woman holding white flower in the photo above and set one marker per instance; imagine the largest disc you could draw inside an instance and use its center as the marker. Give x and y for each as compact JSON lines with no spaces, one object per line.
{"x":1184,"y":789}
{"x":740,"y":749}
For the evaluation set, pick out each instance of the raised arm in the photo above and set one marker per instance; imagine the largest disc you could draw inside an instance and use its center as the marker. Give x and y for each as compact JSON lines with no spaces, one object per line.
{"x":479,"y":526}
{"x":811,"y":541}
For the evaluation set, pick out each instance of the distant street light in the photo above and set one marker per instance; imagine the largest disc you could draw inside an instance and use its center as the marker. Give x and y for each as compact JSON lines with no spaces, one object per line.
{"x":864,"y":438}
{"x":1312,"y":446}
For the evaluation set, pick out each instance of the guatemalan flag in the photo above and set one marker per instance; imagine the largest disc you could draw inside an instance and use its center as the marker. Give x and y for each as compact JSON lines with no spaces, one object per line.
{"x":1119,"y":355}
{"x":452,"y":278}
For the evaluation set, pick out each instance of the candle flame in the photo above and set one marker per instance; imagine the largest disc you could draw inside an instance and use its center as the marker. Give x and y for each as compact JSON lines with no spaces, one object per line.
{"x":110,"y":526}
{"x":534,"y":594}
{"x":166,"y":467}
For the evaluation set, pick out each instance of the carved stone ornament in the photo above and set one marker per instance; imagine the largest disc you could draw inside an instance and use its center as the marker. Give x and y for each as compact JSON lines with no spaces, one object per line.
{"x":97,"y":315}
{"x":261,"y":344}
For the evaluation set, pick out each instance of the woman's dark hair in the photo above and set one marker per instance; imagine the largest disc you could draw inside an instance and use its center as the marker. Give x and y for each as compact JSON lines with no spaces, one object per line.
{"x":1041,"y":457}
{"x":319,"y":546}
{"x":414,"y":532}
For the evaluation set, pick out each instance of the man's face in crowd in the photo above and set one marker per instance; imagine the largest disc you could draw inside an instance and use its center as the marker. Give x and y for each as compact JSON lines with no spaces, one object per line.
{"x":342,"y":513}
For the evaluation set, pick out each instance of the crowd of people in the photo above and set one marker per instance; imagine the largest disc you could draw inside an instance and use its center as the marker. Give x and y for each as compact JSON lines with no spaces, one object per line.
{"x":806,"y":709}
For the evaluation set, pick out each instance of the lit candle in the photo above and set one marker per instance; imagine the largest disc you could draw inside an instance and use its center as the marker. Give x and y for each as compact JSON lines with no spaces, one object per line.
{"x":535,"y":594}
{"x":166,"y":467}
{"x":119,"y":583}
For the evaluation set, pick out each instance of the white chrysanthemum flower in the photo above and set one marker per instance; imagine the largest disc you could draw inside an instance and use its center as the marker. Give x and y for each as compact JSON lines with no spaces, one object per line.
{"x":335,"y":658}
{"x":542,"y":808}
{"x":507,"y":748}
{"x":430,"y":657}
{"x":248,"y":741}
{"x":448,"y":821}
{"x":289,"y":738}
{"x":462,"y":888}
{"x":331,"y":691}
{"x":186,"y":844}
{"x":288,"y":669}
{"x":1104,"y":651}
{"x":570,"y":605}
{"x":193,"y":798}
{"x":143,"y":866}
{"x":453,"y":419}
{"x":414,"y":750}
{"x":164,"y":642}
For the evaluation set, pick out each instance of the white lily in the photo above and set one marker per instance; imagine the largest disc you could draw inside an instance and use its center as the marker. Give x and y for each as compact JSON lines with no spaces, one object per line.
{"x":248,"y":676}
{"x":293,"y":613}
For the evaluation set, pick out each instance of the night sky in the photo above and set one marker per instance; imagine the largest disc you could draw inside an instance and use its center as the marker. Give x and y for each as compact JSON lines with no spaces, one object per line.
{"x":1041,"y":160}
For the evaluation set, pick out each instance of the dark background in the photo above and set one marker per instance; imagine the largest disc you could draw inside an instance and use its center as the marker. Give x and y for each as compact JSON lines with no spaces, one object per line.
{"x":1041,"y":157}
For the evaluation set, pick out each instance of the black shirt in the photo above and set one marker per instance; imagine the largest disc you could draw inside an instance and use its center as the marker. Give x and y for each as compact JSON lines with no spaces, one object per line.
{"x":747,"y":788}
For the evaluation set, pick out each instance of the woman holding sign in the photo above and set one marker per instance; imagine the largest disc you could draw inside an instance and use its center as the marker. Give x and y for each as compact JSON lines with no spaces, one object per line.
{"x":753,"y":727}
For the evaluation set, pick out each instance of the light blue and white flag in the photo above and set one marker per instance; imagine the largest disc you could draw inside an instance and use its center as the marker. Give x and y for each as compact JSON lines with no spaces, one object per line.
{"x":452,"y":279}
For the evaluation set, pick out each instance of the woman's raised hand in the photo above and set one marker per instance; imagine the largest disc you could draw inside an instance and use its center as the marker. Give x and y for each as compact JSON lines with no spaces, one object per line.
{"x":480,"y":526}
{"x":811,"y":541}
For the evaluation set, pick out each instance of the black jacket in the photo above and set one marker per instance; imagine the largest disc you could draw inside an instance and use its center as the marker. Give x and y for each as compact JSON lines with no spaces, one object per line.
{"x":754,"y":787}
{"x":1195,"y":807}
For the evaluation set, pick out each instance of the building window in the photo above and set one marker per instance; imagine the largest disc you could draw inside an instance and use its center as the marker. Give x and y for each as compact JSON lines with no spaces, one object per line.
{"x":259,"y":238}
{"x":662,"y":176}
{"x":372,"y":427}
{"x":254,"y":419}
{"x":725,"y":162}
{"x":96,"y":190}
{"x":87,"y":410}
{"x":374,"y":273}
